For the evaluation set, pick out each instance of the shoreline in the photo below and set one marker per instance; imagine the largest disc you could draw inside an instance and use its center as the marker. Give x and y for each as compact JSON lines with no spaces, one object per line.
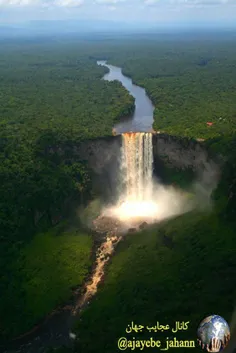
{"x":135,"y":121}
{"x":20,"y":342}
{"x":67,"y":307}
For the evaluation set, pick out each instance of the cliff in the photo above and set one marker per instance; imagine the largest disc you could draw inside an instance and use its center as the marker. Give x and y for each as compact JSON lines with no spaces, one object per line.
{"x":182,"y":153}
{"x":102,"y":156}
{"x":186,"y":156}
{"x":171,"y":153}
{"x":177,"y":160}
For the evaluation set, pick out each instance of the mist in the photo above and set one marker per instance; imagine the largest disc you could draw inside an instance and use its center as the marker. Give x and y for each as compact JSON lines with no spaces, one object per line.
{"x":141,"y":197}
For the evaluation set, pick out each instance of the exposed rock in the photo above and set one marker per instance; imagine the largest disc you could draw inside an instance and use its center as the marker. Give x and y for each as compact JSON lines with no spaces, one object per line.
{"x":102,"y":156}
{"x":185,"y":154}
{"x":180,"y":152}
{"x":143,"y":225}
{"x":107,"y":225}
{"x":132,"y":230}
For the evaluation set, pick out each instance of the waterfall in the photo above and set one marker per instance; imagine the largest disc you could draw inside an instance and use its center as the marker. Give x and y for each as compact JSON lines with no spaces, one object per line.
{"x":140,"y":197}
{"x":137,"y":166}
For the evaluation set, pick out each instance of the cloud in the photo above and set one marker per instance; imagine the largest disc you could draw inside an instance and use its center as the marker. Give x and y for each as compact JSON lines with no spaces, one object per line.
{"x":151,"y":2}
{"x":18,"y":2}
{"x":69,"y":3}
{"x":201,"y":2}
{"x":43,"y":3}
{"x":77,"y":3}
{"x":108,"y":2}
{"x":189,"y":2}
{"x":139,"y":11}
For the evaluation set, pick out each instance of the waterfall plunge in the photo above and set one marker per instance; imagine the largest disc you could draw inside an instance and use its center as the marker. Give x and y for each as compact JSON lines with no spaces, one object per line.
{"x":136,"y":178}
{"x":136,"y":166}
{"x":140,"y":197}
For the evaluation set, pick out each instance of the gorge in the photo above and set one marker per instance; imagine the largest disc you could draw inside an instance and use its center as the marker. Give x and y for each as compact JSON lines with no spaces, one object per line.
{"x":145,"y":155}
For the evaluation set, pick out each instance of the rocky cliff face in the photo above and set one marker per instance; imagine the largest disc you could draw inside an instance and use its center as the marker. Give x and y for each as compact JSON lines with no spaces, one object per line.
{"x":184,"y":155}
{"x":100,"y":153}
{"x":175,"y":152}
{"x":103,"y":158}
{"x":180,"y":152}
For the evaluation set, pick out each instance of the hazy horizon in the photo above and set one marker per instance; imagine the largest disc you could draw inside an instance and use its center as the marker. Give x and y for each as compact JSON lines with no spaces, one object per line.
{"x":128,"y":13}
{"x":98,"y":28}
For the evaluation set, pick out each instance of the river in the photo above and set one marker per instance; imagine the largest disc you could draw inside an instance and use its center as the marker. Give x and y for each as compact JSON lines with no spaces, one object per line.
{"x":142,"y":118}
{"x":55,"y":331}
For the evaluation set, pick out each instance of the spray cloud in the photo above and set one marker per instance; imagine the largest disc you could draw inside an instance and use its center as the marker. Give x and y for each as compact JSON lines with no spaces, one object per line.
{"x":140,"y":197}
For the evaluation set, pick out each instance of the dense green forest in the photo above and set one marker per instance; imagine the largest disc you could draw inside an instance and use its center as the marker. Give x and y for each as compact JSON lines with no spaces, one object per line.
{"x":190,"y":83}
{"x":50,"y":94}
{"x":167,"y":273}
{"x":180,"y":270}
{"x":41,"y":277}
{"x":183,"y":269}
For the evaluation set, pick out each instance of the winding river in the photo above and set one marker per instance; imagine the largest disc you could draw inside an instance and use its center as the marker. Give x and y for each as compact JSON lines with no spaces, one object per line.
{"x":55,"y":331}
{"x":142,"y":118}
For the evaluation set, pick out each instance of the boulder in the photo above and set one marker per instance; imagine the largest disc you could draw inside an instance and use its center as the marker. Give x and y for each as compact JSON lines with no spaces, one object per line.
{"x":132,"y":230}
{"x":143,"y":225}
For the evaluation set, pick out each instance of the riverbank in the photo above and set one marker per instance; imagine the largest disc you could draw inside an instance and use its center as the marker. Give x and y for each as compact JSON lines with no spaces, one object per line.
{"x":38,"y":338}
{"x":60,"y":102}
{"x":148,"y":256}
{"x":103,"y":244}
{"x":41,"y":288}
{"x":141,"y":119}
{"x":172,"y":74}
{"x":39,"y":332}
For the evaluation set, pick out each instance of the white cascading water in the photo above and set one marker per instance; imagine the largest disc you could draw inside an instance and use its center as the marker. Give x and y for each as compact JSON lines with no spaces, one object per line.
{"x":136,"y":199}
{"x":136,"y":165}
{"x":140,"y":197}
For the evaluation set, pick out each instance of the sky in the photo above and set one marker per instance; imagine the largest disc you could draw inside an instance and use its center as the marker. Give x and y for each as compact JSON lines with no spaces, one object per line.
{"x":134,"y":11}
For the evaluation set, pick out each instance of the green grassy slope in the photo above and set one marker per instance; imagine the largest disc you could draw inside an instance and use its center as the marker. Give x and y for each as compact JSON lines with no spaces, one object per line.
{"x":149,"y":282}
{"x":146,"y":281}
{"x":193,"y":275}
{"x":187,"y":277}
{"x":42,"y":277}
{"x":50,"y":93}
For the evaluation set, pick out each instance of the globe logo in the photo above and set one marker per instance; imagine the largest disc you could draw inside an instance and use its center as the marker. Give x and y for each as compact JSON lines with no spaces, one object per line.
{"x":213,"y":333}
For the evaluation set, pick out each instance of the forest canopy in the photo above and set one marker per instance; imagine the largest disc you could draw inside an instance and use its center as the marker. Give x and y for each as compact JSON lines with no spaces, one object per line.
{"x":191,"y":83}
{"x":50,"y":94}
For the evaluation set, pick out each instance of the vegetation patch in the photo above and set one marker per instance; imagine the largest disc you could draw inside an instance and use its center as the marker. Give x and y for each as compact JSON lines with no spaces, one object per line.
{"x":42,"y":278}
{"x":51,"y":93}
{"x":191,"y":83}
{"x":152,"y":280}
